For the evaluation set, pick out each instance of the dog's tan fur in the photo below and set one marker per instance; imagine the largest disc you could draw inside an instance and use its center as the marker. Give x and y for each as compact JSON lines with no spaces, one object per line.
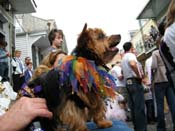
{"x":99,"y":43}
{"x":95,"y":41}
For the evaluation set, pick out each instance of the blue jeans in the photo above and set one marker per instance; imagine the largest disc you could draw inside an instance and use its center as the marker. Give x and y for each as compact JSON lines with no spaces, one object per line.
{"x":137,"y":105}
{"x":164,"y":89}
{"x":117,"y":126}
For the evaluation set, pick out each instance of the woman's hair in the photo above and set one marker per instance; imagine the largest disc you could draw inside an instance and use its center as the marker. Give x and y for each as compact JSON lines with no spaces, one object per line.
{"x":50,"y":59}
{"x":17,"y":51}
{"x":170,"y":17}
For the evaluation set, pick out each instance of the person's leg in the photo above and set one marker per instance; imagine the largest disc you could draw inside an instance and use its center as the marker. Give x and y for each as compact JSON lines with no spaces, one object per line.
{"x":22,"y":81}
{"x":170,"y":99}
{"x":6,"y":71}
{"x":16,"y":82}
{"x":139,"y":108}
{"x":150,"y":111}
{"x":2,"y":68}
{"x":131,"y":102}
{"x":160,"y":93}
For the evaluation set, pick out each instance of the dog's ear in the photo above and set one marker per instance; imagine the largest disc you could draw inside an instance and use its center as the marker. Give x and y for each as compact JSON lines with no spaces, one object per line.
{"x":83,"y":38}
{"x":85,"y":27}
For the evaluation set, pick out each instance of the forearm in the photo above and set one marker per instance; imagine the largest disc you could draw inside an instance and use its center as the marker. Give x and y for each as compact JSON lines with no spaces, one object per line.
{"x":7,"y":123}
{"x":136,"y":71}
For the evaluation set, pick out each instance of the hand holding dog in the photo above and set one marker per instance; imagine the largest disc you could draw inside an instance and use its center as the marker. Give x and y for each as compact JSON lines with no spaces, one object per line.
{"x":23,"y":112}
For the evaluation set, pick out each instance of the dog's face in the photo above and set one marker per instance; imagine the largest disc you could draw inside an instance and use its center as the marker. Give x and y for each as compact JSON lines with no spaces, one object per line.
{"x":113,"y":40}
{"x":97,"y":41}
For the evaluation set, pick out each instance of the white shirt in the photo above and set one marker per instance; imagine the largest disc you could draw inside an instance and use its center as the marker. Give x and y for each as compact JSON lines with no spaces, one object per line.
{"x":148,"y":64}
{"x":15,"y":63}
{"x":116,"y":71}
{"x":127,"y":70}
{"x":169,"y":38}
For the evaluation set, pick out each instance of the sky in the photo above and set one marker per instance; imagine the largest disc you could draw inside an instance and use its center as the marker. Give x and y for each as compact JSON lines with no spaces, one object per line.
{"x":113,"y":16}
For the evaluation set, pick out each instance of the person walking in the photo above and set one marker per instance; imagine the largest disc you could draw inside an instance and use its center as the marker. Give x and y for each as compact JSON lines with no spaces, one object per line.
{"x":133,"y":76}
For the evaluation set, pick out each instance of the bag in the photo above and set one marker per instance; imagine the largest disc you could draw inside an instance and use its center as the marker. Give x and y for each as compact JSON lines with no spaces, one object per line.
{"x":169,"y":63}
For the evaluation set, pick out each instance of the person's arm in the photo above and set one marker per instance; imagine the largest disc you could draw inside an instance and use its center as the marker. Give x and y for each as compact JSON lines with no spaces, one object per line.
{"x":154,"y":65}
{"x":119,"y":73}
{"x":22,"y":113}
{"x":3,"y":54}
{"x":134,"y":67}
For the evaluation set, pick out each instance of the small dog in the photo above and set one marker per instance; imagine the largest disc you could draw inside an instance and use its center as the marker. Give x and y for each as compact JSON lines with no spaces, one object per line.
{"x":75,"y":91}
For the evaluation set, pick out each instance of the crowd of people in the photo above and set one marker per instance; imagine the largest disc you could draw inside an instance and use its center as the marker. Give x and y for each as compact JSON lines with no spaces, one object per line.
{"x":20,"y":114}
{"x":144,"y":90}
{"x":149,"y":90}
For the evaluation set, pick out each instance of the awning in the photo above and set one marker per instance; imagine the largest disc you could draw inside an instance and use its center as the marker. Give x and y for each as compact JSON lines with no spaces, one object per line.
{"x":42,"y":43}
{"x":2,"y":17}
{"x":23,"y":6}
{"x":153,"y":9}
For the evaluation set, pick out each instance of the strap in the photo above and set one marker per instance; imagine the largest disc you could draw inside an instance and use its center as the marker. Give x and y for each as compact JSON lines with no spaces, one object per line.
{"x":166,"y":57}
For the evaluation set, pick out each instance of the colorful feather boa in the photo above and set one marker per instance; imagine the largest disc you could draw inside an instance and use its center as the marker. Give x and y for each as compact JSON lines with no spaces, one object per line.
{"x":88,"y":75}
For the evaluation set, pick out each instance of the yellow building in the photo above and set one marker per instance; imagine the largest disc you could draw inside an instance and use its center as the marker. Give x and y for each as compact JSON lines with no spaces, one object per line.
{"x":143,"y":41}
{"x":152,"y":14}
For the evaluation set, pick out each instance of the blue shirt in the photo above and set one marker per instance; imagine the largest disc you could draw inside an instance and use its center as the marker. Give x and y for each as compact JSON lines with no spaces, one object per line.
{"x":3,"y":56}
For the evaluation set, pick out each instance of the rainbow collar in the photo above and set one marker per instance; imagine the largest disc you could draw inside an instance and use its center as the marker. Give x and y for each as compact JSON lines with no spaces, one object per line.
{"x":88,"y":75}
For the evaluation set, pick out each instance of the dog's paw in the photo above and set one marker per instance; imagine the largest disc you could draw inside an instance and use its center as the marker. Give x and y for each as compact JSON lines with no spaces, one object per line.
{"x":104,"y":123}
{"x":62,"y":129}
{"x":84,"y":130}
{"x":80,"y":128}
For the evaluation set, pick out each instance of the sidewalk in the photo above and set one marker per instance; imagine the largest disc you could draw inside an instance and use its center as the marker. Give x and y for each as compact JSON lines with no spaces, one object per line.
{"x":152,"y":127}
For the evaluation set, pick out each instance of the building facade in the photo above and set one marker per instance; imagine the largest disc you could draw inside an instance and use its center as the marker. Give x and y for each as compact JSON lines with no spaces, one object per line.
{"x":153,"y":12}
{"x":8,"y":10}
{"x":32,"y":36}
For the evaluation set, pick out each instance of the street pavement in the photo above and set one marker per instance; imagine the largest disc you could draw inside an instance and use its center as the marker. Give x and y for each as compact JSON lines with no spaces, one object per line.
{"x":152,"y":127}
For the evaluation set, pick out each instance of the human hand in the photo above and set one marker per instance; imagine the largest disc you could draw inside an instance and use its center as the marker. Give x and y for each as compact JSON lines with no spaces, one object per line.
{"x":8,"y":54}
{"x":21,"y":75}
{"x":23,"y":112}
{"x":145,"y":81}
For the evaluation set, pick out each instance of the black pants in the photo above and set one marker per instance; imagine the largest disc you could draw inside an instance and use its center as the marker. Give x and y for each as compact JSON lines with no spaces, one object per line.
{"x":17,"y":82}
{"x":150,"y":110}
{"x":4,"y":68}
{"x":161,"y":90}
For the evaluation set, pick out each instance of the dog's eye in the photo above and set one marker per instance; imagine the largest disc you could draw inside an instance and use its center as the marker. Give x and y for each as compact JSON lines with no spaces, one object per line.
{"x":101,"y":36}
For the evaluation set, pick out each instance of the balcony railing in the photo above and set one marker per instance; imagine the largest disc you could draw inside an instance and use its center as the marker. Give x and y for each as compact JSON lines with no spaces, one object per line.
{"x":149,"y":45}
